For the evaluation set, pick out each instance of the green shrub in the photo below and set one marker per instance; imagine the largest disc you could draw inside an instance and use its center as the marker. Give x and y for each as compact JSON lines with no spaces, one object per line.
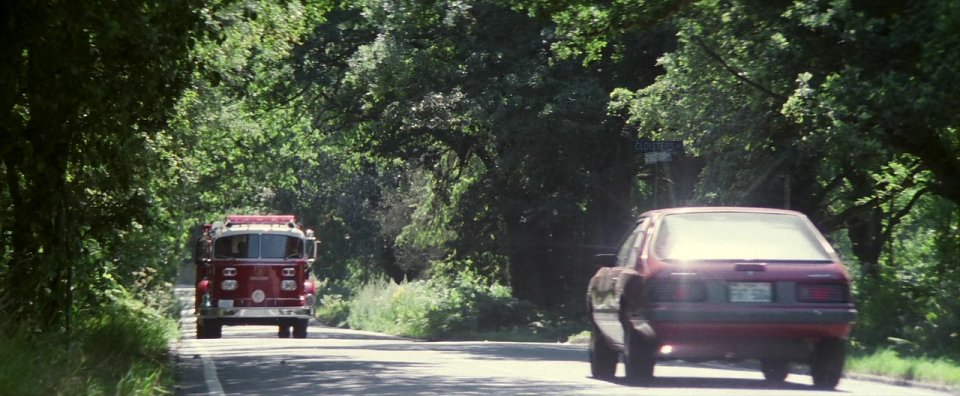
{"x":438,"y":308}
{"x":333,"y":310}
{"x":118,"y":350}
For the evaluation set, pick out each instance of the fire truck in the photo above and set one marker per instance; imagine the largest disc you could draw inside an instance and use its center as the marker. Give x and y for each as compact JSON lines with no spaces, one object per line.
{"x":255,"y":270}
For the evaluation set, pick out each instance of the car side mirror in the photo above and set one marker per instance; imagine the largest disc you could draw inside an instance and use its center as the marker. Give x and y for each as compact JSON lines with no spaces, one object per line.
{"x":605,"y":260}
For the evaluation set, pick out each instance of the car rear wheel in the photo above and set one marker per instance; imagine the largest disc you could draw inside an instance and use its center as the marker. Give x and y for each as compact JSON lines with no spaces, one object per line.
{"x":300,"y":328}
{"x":603,"y":359}
{"x":639,"y":357}
{"x":774,"y":370}
{"x":826,"y":365}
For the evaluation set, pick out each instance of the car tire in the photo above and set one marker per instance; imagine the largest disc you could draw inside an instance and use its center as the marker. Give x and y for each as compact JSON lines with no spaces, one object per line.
{"x":603,"y":359}
{"x":639,"y":357}
{"x":283,"y":331}
{"x":826,"y":365}
{"x":300,"y":328}
{"x":774,"y":370}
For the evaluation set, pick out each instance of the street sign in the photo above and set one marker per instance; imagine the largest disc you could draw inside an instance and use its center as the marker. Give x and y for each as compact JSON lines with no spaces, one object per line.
{"x":657,"y":151}
{"x":649,"y":146}
{"x":657,"y":156}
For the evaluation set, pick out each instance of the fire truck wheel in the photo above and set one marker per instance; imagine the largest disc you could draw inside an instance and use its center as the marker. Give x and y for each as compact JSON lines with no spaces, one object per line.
{"x":209,"y":328}
{"x":300,"y":328}
{"x":214,"y":329}
{"x":284,"y":331}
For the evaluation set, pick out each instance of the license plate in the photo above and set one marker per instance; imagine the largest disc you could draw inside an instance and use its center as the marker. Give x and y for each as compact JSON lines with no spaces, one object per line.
{"x":225,"y":303}
{"x":751,"y":292}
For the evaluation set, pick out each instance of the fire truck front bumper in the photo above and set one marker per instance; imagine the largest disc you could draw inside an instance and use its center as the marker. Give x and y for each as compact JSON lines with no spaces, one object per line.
{"x":267,"y":313}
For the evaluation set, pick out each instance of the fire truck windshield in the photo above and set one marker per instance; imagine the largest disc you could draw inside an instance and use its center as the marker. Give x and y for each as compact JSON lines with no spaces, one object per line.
{"x":280,"y":246}
{"x":251,"y":246}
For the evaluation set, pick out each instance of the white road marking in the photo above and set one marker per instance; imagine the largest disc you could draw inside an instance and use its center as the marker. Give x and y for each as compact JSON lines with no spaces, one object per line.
{"x":209,"y":367}
{"x":210,"y":374}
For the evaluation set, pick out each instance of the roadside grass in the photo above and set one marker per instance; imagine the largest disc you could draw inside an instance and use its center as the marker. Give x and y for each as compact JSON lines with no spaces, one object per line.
{"x":888,"y":363}
{"x":120,"y":351}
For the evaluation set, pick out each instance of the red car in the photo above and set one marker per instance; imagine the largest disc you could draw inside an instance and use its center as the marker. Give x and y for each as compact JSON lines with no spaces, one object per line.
{"x":721,"y":284}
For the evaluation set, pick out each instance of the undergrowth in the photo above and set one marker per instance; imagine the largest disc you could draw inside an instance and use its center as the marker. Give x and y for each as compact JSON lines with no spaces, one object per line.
{"x":464,"y":307}
{"x":888,"y":363}
{"x":120,"y":350}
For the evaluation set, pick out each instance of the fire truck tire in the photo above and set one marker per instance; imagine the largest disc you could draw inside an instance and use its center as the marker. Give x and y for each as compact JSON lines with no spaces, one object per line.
{"x":284,"y":331}
{"x":209,"y":328}
{"x":215,"y":329}
{"x":300,"y":328}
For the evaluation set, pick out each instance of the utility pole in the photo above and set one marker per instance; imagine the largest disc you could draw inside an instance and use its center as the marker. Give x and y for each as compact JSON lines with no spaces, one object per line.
{"x":786,"y":191}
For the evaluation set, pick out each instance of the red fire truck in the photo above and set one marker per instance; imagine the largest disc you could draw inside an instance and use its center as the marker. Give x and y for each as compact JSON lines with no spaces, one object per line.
{"x":255,"y":270}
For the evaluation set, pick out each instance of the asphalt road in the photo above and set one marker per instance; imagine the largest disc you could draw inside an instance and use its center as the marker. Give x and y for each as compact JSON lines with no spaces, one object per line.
{"x":251,"y":360}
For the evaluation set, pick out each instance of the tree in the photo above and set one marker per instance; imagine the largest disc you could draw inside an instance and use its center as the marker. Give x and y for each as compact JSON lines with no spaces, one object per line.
{"x":525,"y":166}
{"x":85,"y":87}
{"x":770,"y":95}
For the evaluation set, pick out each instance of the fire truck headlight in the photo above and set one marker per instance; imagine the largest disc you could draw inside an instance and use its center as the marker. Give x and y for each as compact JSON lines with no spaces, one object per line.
{"x":288,"y":285}
{"x":229,"y":271}
{"x":229,"y":284}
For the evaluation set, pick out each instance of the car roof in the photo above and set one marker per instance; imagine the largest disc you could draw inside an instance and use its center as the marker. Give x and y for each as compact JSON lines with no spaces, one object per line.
{"x":719,"y":209}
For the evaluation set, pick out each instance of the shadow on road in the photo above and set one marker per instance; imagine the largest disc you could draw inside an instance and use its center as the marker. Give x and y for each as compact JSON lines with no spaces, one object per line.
{"x":341,"y":376}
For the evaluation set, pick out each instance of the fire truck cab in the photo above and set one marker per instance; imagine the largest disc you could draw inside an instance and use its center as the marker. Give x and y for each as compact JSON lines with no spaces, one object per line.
{"x":255,"y":270}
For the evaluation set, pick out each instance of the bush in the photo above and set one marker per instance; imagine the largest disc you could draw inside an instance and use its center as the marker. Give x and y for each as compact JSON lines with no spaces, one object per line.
{"x":333,"y":304}
{"x":333,"y":310}
{"x":438,"y":308}
{"x":119,"y":350}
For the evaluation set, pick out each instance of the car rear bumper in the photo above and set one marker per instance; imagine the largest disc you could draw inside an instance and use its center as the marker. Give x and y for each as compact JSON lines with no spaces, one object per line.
{"x":748,"y":314}
{"x":742,"y":333}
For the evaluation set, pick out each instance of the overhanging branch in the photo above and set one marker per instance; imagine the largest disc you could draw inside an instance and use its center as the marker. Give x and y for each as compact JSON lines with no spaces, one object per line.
{"x":739,"y":75}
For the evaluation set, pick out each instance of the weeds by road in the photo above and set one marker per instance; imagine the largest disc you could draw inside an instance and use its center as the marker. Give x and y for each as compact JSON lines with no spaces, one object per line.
{"x":888,"y":363}
{"x":121,"y":351}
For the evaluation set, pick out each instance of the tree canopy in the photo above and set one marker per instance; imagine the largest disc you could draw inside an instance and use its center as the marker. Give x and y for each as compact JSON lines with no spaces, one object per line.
{"x":431,"y":138}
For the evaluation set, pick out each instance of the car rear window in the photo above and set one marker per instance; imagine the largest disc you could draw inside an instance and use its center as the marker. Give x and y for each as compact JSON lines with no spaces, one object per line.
{"x":737,"y":236}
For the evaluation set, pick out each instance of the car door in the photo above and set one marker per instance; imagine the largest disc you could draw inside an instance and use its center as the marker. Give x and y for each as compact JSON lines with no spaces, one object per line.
{"x":606,"y":285}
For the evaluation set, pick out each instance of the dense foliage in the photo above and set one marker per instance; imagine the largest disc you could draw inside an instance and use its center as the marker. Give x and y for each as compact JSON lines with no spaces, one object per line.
{"x":429,"y":139}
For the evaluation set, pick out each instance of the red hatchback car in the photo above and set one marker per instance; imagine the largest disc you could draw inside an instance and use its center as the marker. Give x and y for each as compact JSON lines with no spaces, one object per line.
{"x":722,"y":283}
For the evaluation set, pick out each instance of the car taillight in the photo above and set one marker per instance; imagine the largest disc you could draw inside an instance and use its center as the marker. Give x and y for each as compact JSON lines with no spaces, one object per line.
{"x":677,"y":292}
{"x":822,"y":293}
